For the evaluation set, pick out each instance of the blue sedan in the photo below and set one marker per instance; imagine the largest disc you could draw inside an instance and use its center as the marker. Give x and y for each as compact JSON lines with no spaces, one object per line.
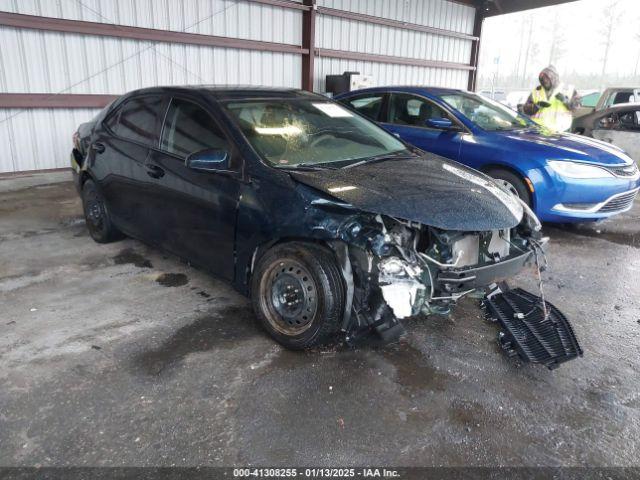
{"x":563,"y":177}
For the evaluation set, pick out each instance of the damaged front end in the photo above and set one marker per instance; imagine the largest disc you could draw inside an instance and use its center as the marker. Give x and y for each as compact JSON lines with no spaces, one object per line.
{"x":398,"y":269}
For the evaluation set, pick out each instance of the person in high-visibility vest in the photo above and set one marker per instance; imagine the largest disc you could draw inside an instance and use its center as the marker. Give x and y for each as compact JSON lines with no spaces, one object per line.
{"x":551,"y":103}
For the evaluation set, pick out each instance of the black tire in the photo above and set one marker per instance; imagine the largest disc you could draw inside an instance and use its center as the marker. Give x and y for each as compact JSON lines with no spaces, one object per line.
{"x":512,"y":181}
{"x":298,"y":294}
{"x":96,"y":214}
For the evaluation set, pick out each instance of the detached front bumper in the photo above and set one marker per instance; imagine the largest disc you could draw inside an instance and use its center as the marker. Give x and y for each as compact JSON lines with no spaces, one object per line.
{"x":460,"y":280}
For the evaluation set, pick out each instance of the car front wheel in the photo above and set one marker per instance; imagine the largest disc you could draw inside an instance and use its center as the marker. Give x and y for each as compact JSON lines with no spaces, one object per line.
{"x":298,"y":294}
{"x":511,"y":182}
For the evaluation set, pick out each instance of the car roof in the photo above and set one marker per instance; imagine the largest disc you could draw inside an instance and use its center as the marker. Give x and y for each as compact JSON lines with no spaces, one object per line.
{"x":620,"y":106}
{"x":412,"y":89}
{"x":620,"y":89}
{"x":227,"y":92}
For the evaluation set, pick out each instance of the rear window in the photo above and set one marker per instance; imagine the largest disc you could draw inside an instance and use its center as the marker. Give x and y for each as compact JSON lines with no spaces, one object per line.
{"x":137,"y":119}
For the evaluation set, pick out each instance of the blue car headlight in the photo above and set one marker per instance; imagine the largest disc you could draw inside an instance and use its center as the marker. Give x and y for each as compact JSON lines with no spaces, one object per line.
{"x":566,"y":168}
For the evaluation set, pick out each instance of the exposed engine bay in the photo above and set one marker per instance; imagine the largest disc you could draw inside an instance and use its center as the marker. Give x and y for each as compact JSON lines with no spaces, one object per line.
{"x":401,"y":269}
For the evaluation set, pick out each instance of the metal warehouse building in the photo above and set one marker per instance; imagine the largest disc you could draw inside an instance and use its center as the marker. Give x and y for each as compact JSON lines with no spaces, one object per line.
{"x":61,"y":61}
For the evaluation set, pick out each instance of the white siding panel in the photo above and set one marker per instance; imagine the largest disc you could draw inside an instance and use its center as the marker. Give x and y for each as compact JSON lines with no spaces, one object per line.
{"x":29,"y":146}
{"x":41,"y":138}
{"x":70,"y":63}
{"x":350,"y":35}
{"x":390,"y":74}
{"x":432,"y":13}
{"x":49,"y":62}
{"x":36,"y":139}
{"x":355,"y":36}
{"x":227,"y":18}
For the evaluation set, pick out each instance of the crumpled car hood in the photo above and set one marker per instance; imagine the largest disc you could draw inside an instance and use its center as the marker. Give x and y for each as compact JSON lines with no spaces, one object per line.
{"x":429,"y":190}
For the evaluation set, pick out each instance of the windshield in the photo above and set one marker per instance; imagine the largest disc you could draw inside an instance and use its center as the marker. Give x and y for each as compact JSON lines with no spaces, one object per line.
{"x":287,"y":133}
{"x":486,"y":113}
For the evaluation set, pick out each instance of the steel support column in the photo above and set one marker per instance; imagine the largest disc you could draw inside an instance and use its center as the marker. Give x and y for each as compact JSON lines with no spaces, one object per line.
{"x":475,"y":48}
{"x":308,"y":44}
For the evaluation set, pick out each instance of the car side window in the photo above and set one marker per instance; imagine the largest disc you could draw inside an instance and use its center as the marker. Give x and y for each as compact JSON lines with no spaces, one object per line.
{"x":406,"y":109}
{"x":188,"y":128}
{"x":369,"y":105}
{"x":590,"y":100}
{"x":137,"y":119}
{"x":623,"y":97}
{"x":629,"y":120}
{"x":607,"y":122}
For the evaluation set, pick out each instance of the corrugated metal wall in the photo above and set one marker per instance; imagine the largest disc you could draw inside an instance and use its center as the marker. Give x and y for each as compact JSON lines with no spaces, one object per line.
{"x":37,"y":139}
{"x":356,"y":36}
{"x":227,"y":18}
{"x":50,"y":62}
{"x":33,"y":61}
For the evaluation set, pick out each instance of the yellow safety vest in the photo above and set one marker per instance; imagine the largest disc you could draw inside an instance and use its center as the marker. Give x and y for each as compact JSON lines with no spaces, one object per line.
{"x":555,"y":117}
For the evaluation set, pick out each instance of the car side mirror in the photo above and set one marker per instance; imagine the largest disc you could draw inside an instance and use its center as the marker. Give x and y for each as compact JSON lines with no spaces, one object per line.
{"x":210,"y":160}
{"x":439,"y":123}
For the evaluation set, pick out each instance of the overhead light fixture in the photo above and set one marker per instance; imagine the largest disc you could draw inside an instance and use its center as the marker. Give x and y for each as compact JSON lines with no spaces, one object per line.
{"x":284,"y":130}
{"x":346,"y":188}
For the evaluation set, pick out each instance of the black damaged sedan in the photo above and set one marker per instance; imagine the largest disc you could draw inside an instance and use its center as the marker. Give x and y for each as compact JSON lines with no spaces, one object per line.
{"x":331,"y":225}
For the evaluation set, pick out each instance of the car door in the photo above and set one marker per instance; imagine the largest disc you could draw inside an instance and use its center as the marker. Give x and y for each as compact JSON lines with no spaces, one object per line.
{"x":407,"y":115}
{"x":621,"y":129}
{"x":121,"y":148}
{"x":197,"y":209}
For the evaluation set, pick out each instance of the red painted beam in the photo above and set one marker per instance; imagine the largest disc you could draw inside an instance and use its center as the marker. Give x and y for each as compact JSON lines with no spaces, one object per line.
{"x":54,"y":100}
{"x":283,"y":3}
{"x":370,"y":57}
{"x":137,"y":33}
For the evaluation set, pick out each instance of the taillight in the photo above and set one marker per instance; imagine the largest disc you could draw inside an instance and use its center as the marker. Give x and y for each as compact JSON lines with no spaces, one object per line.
{"x":76,"y":140}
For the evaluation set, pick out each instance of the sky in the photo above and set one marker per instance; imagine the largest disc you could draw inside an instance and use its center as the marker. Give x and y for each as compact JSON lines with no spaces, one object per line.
{"x":580,"y":30}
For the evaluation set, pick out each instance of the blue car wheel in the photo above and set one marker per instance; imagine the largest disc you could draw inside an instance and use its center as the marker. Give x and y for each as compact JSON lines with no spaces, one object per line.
{"x":512,"y":182}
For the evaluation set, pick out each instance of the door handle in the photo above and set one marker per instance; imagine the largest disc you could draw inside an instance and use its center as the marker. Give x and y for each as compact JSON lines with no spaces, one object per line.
{"x":98,"y":147}
{"x":154,"y":171}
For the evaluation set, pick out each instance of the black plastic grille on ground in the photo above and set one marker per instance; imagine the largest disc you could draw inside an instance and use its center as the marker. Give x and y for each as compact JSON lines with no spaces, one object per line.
{"x":527,"y":333}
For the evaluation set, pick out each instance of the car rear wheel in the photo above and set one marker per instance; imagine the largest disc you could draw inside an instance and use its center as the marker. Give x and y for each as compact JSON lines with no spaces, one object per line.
{"x":511,"y":182}
{"x":96,"y":214}
{"x":298,"y":294}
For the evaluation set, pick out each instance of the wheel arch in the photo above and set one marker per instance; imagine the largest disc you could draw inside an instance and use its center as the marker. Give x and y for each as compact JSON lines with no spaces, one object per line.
{"x":261,"y":249}
{"x":509,"y":168}
{"x":84,"y":176}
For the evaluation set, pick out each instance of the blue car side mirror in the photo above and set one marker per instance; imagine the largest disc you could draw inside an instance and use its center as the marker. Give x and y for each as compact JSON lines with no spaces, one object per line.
{"x":439,"y":123}
{"x":211,"y":160}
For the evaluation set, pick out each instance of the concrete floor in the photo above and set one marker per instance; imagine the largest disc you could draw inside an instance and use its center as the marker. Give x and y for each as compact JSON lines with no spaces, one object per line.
{"x":121,"y":355}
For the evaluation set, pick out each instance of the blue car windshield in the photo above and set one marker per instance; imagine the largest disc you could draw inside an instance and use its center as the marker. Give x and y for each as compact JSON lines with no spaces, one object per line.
{"x":486,"y":113}
{"x":288,"y":133}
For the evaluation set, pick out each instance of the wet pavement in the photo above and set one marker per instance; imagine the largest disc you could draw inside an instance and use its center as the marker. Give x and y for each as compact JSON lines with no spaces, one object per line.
{"x":120,"y":354}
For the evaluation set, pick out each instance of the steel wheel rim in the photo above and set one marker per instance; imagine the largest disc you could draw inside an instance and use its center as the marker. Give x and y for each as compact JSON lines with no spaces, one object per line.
{"x":94,"y":213}
{"x":289,"y":297}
